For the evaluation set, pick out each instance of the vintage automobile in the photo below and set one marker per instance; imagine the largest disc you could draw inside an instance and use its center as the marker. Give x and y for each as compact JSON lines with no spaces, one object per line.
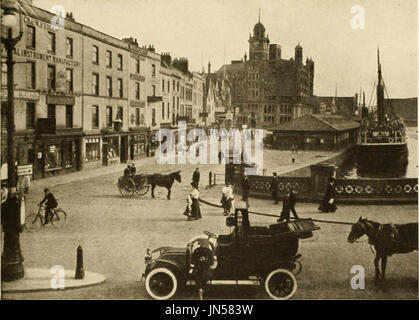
{"x":247,"y":255}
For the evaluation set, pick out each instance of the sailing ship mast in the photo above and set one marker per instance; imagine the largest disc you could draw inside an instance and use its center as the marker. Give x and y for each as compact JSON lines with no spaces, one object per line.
{"x":380,"y":94}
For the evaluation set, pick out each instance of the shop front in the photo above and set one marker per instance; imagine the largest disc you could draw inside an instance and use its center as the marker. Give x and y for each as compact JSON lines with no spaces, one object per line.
{"x":138,"y":145}
{"x":111,"y":150}
{"x":52,"y":155}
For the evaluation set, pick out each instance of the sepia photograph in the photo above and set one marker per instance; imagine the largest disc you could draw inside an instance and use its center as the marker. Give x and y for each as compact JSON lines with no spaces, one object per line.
{"x":209,"y":150}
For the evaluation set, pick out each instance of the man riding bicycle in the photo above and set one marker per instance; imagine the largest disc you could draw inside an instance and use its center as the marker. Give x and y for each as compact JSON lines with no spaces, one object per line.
{"x":51,"y":203}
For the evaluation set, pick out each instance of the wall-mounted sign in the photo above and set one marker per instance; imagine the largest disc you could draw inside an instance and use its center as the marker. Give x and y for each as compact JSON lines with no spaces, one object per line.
{"x":51,"y":149}
{"x":24,"y":170}
{"x":46,"y":57}
{"x":39,"y":155}
{"x":21,"y":94}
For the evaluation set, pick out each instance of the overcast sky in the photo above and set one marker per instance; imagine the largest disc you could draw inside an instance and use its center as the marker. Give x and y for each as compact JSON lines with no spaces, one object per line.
{"x":218,"y":31}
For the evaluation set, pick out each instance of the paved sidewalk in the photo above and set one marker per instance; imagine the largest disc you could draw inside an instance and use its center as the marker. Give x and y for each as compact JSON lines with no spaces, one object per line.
{"x":37,"y":279}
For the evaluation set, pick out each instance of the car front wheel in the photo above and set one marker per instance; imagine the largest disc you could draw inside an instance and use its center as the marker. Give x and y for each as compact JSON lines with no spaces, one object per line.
{"x":161,"y":284}
{"x":280,"y":284}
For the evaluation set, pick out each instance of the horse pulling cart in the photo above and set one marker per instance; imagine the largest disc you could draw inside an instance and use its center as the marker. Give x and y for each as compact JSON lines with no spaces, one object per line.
{"x":134,"y":185}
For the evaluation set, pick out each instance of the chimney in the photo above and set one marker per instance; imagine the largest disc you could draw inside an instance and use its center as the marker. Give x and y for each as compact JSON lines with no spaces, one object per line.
{"x":209,"y":67}
{"x":166,"y":58}
{"x":181,"y":64}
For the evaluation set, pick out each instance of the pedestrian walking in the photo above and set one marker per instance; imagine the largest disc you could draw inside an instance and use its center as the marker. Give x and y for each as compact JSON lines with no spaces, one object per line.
{"x":193,"y":202}
{"x":288,"y":205}
{"x":245,"y":188}
{"x":274,"y":188}
{"x":196,"y":176}
{"x":227,"y":199}
{"x":328,"y":203}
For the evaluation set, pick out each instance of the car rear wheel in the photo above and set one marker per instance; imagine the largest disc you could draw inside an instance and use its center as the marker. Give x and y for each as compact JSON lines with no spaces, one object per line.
{"x":161,"y":284}
{"x":280,"y":284}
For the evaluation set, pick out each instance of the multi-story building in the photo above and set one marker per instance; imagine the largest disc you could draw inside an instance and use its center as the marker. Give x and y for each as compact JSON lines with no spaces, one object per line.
{"x":48,"y":91}
{"x":84,"y":99}
{"x":266,"y":89}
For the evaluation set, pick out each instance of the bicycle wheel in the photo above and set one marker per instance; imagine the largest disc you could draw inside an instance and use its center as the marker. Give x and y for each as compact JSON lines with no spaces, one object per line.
{"x":33,"y":222}
{"x":59,"y":218}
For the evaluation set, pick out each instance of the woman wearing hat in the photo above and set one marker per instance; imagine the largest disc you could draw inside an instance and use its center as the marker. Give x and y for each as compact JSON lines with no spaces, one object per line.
{"x":328,"y":203}
{"x":193,"y":203}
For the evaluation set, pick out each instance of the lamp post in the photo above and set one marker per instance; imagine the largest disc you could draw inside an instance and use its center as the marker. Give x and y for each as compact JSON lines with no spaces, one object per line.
{"x":12,"y":260}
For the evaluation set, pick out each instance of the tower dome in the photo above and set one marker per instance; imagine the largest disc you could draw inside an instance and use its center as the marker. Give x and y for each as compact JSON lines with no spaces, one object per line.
{"x":259,"y":30}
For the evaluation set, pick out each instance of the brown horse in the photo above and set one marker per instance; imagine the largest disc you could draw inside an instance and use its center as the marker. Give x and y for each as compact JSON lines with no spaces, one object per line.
{"x":387,"y":239}
{"x":164,"y":180}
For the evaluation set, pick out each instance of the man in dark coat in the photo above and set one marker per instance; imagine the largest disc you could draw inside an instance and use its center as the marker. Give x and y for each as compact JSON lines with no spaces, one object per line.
{"x":274,"y":187}
{"x":288,"y":206}
{"x":127,"y":171}
{"x":133,"y":170}
{"x":196,"y":177}
{"x":328,"y":203}
{"x":245,"y":188}
{"x":51,"y":203}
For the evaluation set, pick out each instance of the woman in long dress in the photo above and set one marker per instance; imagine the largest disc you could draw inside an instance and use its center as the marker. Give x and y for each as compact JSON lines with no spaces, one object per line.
{"x":193,"y":202}
{"x":328,"y":203}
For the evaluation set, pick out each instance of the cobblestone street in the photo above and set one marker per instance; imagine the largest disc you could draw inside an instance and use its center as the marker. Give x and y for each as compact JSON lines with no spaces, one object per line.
{"x":114,"y":233}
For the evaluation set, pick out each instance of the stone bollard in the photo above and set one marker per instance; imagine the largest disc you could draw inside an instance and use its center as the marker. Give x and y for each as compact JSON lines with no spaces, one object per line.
{"x":293,"y":160}
{"x":79,"y":269}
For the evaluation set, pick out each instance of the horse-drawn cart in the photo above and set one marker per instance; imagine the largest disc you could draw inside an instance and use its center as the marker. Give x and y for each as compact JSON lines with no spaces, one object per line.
{"x":134,"y":185}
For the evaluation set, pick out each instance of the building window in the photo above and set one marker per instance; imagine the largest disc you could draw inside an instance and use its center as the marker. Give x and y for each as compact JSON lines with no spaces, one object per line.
{"x":51,"y":42}
{"x":119,"y":61}
{"x":92,"y":149}
{"x":154,"y":90}
{"x":109,"y":59}
{"x":178,"y":86}
{"x":109,"y":116}
{"x":30,"y":115}
{"x":137,"y":66}
{"x":68,"y":116}
{"x":174,"y":85}
{"x":137,"y":116}
{"x":69,"y":80}
{"x":51,"y":111}
{"x":137,"y":90}
{"x":51,"y":78}
{"x":153,"y":70}
{"x":69,"y":47}
{"x":95,"y":116}
{"x":30,"y":38}
{"x":109,"y":86}
{"x":31,"y":72}
{"x":168,"y":85}
{"x":120,"y":114}
{"x":120,"y":88}
{"x":162,"y":110}
{"x":162,"y":85}
{"x":153,"y":117}
{"x":95,"y":54}
{"x":95,"y":83}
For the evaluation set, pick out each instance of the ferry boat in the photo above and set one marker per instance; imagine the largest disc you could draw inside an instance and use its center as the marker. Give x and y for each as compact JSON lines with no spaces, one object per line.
{"x":382,"y":137}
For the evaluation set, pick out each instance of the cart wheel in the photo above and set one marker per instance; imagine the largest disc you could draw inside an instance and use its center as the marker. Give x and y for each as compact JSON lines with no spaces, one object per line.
{"x":161,"y":284}
{"x":33,"y":222}
{"x":126,"y":187}
{"x":296,"y":268}
{"x":142,"y":190}
{"x":280,"y":284}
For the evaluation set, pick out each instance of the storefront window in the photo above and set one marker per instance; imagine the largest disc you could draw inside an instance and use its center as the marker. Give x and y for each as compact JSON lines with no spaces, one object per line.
{"x":53,"y":157}
{"x":113,"y":147}
{"x":67,"y":150}
{"x":92,"y":149}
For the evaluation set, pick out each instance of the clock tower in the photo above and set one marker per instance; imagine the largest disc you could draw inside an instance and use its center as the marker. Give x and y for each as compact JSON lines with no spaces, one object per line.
{"x":258,"y":43}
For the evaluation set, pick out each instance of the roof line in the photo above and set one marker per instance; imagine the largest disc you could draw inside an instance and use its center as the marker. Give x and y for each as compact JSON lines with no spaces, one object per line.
{"x":324,"y":121}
